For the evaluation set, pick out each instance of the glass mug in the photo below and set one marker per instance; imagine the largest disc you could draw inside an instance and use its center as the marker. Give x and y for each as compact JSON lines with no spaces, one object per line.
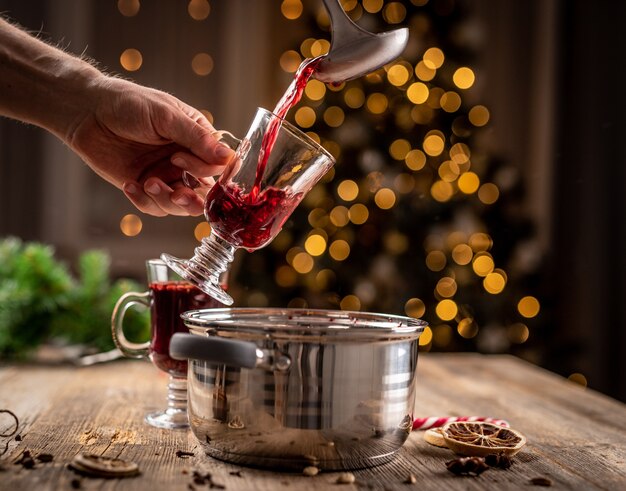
{"x":273,"y":168}
{"x":167,"y":297}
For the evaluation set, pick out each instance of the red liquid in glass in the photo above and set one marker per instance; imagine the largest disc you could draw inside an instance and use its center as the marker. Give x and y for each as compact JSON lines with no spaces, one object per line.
{"x":169,"y":300}
{"x":252,"y":220}
{"x":245,"y":220}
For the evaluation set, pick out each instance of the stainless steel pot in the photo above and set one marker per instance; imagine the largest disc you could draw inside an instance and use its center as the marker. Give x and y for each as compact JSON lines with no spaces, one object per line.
{"x":289,"y":388}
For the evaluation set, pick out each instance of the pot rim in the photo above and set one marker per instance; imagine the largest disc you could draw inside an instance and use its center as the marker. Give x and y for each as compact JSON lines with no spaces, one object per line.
{"x":302,"y":321}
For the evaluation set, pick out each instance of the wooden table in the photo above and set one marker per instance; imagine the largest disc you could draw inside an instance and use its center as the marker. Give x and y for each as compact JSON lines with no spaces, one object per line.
{"x":576,"y":437}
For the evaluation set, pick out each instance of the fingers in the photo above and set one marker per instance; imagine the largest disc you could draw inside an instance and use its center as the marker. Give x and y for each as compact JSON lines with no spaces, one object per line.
{"x":195,"y":166}
{"x":158,"y":199}
{"x":173,"y":124}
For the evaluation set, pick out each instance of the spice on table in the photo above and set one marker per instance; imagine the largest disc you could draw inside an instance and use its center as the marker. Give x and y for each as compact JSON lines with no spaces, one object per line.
{"x":45,"y":457}
{"x":467,"y":466}
{"x":26,"y":460}
{"x":541,"y":481}
{"x":501,"y":461}
{"x":310,"y":471}
{"x":411,"y":479}
{"x":346,"y":478}
{"x":479,"y":439}
{"x":183,"y":454}
{"x":434,"y":436}
{"x":102,"y":466}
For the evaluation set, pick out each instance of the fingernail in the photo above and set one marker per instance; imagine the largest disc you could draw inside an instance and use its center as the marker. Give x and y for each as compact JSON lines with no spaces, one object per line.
{"x":222,"y":151}
{"x":181,"y":200}
{"x":153,"y":188}
{"x":178,"y":162}
{"x":131,"y":188}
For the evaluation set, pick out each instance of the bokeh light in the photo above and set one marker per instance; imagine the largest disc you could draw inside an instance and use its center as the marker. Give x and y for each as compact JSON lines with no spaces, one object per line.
{"x":131,"y":59}
{"x":131,"y":225}
{"x":528,"y":307}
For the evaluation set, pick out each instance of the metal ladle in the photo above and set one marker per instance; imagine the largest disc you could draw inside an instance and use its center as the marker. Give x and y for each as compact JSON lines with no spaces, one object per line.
{"x":354,"y":51}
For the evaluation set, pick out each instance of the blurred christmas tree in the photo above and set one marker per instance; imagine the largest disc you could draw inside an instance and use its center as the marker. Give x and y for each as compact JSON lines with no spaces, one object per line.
{"x":415,"y":218}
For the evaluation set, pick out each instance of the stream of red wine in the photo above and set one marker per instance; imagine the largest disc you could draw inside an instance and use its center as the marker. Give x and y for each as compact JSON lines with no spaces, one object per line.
{"x":250,"y":220}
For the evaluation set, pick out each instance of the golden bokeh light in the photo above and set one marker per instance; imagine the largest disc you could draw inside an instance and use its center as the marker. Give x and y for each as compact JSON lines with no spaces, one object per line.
{"x":494,"y":283}
{"x":433,"y":58}
{"x":208,"y":115}
{"x":350,"y":302}
{"x":315,"y":245}
{"x":483,"y":264}
{"x":518,"y":333}
{"x":202,"y":230}
{"x":426,"y":337}
{"x":131,"y":225}
{"x":462,"y":254}
{"x":415,"y":159}
{"x":358,"y":214}
{"x":417,"y":92}
{"x":488,"y":193}
{"x":385,"y":198}
{"x":199,"y":9}
{"x":399,"y":148}
{"x":450,"y":102}
{"x":324,"y":278}
{"x":128,"y":8}
{"x":320,"y":47}
{"x":202,"y":64}
{"x":305,"y":47}
{"x":448,"y":171}
{"x":480,"y":242}
{"x":463,"y":77}
{"x":394,"y":12}
{"x":415,"y":307}
{"x":290,"y":61}
{"x":372,"y":6}
{"x":131,"y":59}
{"x":315,"y":90}
{"x":436,"y":260}
{"x":395,"y":243}
{"x":528,"y":307}
{"x":433,"y":145}
{"x":467,"y":328}
{"x":339,"y":216}
{"x":478,"y":116}
{"x":305,"y":117}
{"x":377,"y":103}
{"x":339,"y":250}
{"x":424,"y":72}
{"x":291,"y":9}
{"x":442,"y":191}
{"x":334,"y":116}
{"x":302,"y":263}
{"x":286,"y":276}
{"x":398,"y":75}
{"x":468,"y":182}
{"x":404,"y":183}
{"x":354,"y":97}
{"x":348,"y":190}
{"x":460,"y":153}
{"x":446,"y":309}
{"x":578,"y":378}
{"x":446,"y":287}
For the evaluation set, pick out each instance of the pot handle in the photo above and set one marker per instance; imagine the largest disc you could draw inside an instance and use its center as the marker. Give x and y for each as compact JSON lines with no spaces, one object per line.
{"x":242,"y":354}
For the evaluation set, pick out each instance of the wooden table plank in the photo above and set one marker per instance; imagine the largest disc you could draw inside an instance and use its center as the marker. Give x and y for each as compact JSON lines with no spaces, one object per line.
{"x":576,"y":437}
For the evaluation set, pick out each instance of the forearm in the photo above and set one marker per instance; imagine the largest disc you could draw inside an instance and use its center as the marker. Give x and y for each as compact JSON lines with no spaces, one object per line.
{"x":40,"y":84}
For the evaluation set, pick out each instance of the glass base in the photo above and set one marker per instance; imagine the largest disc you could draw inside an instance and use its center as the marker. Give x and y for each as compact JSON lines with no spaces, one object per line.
{"x":170,"y":419}
{"x":184,"y":270}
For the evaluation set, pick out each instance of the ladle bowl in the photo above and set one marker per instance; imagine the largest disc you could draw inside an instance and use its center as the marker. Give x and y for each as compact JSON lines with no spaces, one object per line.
{"x":355,"y":51}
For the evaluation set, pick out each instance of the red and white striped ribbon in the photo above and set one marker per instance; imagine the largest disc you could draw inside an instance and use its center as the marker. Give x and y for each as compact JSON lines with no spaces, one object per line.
{"x":435,"y":421}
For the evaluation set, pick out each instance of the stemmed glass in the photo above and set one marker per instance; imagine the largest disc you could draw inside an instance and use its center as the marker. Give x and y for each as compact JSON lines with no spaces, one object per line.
{"x":272,"y":169}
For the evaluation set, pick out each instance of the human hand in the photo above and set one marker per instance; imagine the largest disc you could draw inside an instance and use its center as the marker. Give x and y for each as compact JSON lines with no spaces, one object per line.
{"x":141,"y":140}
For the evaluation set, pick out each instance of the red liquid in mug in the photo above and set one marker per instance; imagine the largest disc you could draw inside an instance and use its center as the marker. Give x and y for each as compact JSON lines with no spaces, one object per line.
{"x":169,"y":300}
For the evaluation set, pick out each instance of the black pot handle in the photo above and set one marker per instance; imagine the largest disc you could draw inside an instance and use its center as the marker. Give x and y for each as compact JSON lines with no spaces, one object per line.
{"x":231,"y":352}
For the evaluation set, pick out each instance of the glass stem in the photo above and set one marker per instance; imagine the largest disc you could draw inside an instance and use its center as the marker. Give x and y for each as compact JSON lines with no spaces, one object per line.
{"x":177,"y":394}
{"x":211,"y":258}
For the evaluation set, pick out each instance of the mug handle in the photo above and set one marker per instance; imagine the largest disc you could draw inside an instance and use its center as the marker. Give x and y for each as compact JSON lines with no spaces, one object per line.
{"x":128,"y":348}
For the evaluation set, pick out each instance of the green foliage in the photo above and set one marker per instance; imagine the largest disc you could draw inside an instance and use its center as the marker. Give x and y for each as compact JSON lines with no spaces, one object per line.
{"x":40,"y":299}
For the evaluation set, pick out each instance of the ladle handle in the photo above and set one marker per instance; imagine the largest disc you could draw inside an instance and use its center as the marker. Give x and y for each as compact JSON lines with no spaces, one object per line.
{"x":231,"y":352}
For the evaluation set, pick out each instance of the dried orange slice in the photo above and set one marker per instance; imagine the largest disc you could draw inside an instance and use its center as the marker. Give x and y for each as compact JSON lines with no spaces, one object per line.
{"x":434,"y":436}
{"x":480,"y":438}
